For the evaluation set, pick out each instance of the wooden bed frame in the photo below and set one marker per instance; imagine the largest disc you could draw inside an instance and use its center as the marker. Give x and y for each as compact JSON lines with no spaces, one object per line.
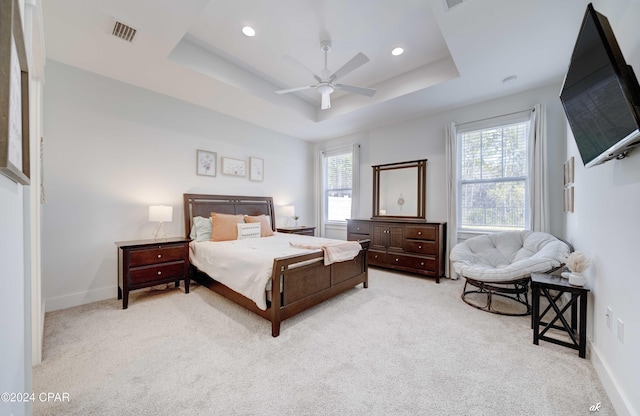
{"x":300,"y":287}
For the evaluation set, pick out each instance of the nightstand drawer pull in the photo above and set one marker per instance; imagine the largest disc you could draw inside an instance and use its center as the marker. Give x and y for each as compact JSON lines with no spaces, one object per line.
{"x":159,"y":256}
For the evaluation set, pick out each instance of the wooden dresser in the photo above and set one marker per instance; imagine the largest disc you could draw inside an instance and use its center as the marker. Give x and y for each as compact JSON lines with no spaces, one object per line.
{"x":417,"y":247}
{"x":145,"y":263}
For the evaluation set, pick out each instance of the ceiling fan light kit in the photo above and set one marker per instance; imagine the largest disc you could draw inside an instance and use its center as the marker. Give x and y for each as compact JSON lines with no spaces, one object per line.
{"x":326,"y":83}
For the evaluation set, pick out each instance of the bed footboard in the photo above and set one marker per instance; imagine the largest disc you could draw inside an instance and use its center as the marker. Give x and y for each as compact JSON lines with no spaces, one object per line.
{"x":304,"y":281}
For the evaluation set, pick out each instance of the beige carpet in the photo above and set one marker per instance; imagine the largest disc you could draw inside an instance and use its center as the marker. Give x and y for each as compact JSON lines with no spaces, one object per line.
{"x":405,"y":346}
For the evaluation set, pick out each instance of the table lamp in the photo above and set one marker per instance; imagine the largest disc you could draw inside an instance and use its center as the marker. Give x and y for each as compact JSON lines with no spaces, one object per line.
{"x":161,"y":214}
{"x":288,"y":211}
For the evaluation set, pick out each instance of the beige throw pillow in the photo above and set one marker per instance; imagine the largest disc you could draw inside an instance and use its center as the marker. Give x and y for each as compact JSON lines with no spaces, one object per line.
{"x":224,"y":226}
{"x":265,"y":225}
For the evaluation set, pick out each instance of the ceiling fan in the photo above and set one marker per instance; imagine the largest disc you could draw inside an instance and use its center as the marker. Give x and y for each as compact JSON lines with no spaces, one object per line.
{"x":327,"y":82}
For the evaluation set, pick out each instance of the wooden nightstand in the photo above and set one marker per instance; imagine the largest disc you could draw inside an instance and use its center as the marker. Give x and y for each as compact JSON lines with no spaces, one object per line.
{"x":298,"y":230}
{"x":145,"y":263}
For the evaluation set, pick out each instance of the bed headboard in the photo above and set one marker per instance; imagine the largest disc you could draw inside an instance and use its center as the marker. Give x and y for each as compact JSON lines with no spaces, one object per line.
{"x":203,"y":205}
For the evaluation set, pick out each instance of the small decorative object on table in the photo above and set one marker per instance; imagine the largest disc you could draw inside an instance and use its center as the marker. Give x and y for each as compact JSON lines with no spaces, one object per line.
{"x":295,"y":219}
{"x":577,"y":262}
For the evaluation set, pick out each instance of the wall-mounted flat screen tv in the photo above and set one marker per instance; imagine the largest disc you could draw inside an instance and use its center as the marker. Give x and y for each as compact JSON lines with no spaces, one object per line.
{"x":600,"y":94}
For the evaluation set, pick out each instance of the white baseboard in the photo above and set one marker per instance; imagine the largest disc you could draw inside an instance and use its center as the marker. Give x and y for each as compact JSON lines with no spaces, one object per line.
{"x":81,"y":298}
{"x":618,"y":399}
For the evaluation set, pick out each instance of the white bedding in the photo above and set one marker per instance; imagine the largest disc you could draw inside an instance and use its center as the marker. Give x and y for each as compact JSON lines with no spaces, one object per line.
{"x":245,"y":266}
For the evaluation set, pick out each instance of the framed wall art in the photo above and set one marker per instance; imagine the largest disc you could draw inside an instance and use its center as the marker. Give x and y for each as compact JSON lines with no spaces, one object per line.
{"x":206,"y":163}
{"x":14,"y":95}
{"x":569,"y":170}
{"x":568,"y":199}
{"x":256,"y":169}
{"x":234,"y":167}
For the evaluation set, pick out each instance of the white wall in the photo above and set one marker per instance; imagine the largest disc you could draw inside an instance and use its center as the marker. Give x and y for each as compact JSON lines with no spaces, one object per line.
{"x":112,"y":149}
{"x":606,"y":226}
{"x":424,"y":138}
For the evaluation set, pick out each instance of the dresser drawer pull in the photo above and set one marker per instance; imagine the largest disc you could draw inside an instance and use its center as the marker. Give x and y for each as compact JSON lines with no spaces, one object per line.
{"x":159,"y":273}
{"x":358,"y":228}
{"x":421,"y":263}
{"x":419,"y":246}
{"x":397,"y":259}
{"x":419,"y":232}
{"x":159,"y":256}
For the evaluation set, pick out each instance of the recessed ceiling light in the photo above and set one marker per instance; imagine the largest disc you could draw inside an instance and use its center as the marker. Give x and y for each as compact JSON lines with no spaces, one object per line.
{"x":397,"y":51}
{"x":248,"y":31}
{"x":509,"y":79}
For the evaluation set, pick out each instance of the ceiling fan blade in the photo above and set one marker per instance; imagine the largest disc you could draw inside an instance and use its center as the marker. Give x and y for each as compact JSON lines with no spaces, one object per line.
{"x":355,"y":63}
{"x":369,"y":92}
{"x":295,"y":89}
{"x":326,"y":101}
{"x":294,"y":61}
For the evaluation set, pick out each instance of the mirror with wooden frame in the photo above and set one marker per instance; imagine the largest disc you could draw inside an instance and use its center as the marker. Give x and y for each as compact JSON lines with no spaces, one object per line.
{"x":399,"y":190}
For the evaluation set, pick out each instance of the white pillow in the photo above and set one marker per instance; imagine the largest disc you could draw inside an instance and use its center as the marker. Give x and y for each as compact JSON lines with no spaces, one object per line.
{"x":201,"y":229}
{"x":251,"y":230}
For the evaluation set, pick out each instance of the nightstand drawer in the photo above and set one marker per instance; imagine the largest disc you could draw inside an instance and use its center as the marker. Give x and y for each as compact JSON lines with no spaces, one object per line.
{"x":162,"y":254}
{"x":358,"y":227}
{"x":151,"y":273}
{"x":357,"y":237}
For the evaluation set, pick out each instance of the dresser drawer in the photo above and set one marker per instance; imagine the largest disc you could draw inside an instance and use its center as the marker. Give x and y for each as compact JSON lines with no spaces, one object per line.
{"x":421,"y":247}
{"x":414,"y":262}
{"x":376,"y":258}
{"x":423,"y":232}
{"x":358,"y":227}
{"x":159,"y":272}
{"x":160,"y":254}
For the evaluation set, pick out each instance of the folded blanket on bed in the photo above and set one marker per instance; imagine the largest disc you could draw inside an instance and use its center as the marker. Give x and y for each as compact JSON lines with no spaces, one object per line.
{"x":333,"y":252}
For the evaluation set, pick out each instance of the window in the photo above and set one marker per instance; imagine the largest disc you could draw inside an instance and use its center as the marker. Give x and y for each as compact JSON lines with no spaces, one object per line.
{"x":338,"y":182}
{"x":492,"y":177}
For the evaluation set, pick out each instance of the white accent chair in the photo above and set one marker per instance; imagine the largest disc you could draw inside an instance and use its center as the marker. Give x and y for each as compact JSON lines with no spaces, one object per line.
{"x":501,"y":264}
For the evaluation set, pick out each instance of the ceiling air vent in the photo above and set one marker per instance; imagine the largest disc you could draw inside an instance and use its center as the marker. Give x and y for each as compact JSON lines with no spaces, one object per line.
{"x":124,"y":32}
{"x":450,"y":4}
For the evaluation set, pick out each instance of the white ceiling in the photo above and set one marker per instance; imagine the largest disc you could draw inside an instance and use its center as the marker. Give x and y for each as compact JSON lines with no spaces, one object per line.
{"x":194,"y":50}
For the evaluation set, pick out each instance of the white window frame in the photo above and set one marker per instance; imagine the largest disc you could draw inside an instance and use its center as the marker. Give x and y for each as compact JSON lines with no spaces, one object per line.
{"x":516,"y":118}
{"x":324,"y":155}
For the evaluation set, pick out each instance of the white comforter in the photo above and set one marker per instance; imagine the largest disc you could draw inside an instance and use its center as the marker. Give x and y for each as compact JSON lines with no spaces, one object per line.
{"x":245,"y":266}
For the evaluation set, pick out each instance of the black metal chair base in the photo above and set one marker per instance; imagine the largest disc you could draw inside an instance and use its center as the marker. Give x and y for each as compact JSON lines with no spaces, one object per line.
{"x":515,"y":290}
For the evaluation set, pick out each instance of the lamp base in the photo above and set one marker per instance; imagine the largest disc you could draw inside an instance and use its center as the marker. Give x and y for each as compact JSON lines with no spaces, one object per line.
{"x":160,"y":233}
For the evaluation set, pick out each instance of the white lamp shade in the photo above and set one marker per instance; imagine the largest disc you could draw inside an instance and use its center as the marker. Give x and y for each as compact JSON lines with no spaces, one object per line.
{"x":160,"y":213}
{"x":287,"y":210}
